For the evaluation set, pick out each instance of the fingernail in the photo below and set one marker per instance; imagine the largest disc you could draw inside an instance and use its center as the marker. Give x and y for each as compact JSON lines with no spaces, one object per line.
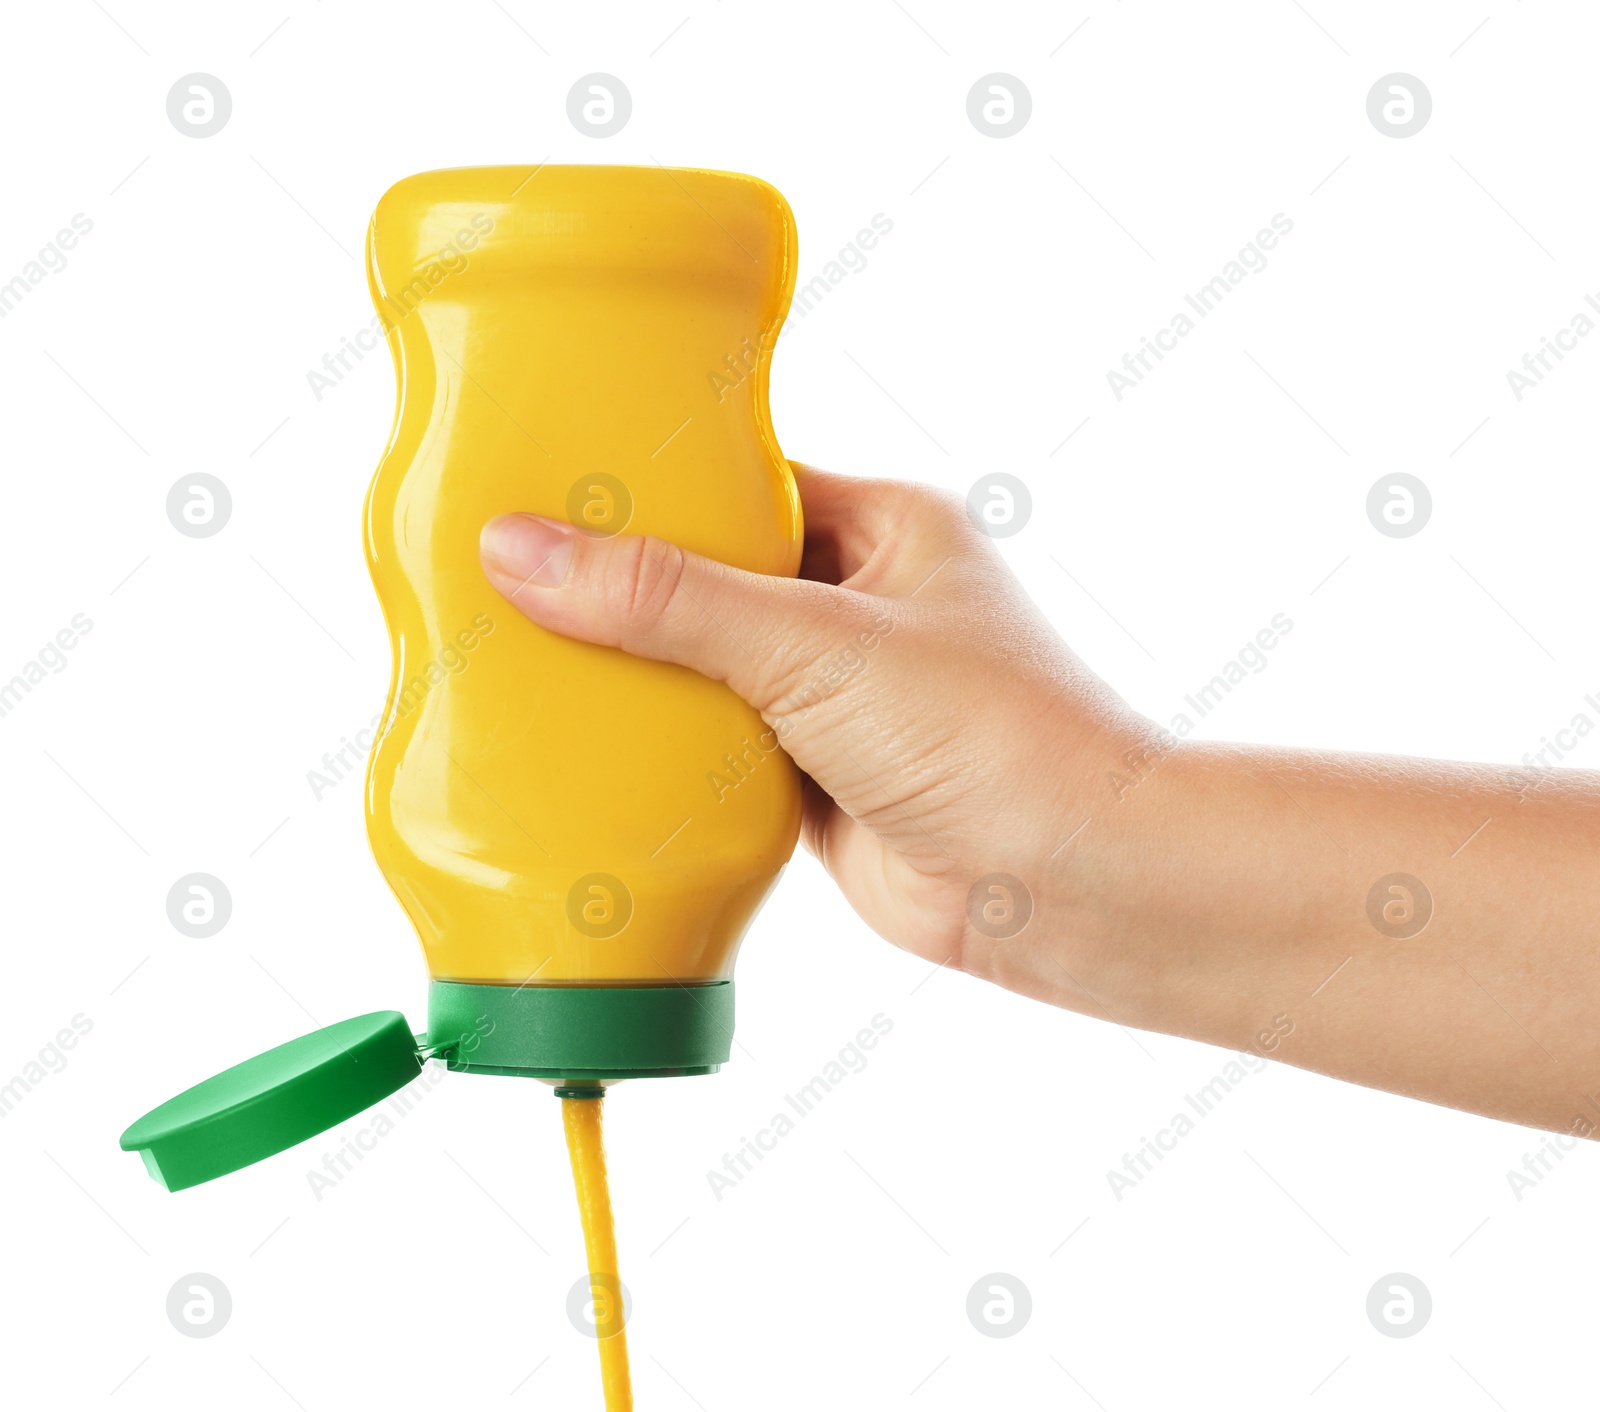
{"x":527,"y":548}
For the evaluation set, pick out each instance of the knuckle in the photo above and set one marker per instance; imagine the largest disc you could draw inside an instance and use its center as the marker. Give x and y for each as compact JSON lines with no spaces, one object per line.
{"x":941,"y":507}
{"x":646,"y":586}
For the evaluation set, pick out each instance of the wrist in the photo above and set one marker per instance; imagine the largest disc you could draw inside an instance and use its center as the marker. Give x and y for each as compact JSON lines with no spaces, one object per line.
{"x":1096,"y":874}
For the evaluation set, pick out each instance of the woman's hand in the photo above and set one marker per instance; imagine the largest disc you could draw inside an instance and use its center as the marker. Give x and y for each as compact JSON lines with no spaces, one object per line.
{"x":968,"y":792}
{"x":948,"y":734}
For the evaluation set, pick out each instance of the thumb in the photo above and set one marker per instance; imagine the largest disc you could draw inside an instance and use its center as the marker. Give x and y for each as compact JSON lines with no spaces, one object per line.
{"x":761,"y":635}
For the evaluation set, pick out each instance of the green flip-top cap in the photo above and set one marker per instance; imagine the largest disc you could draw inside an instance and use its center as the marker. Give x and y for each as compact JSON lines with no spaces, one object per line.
{"x":275,"y":1100}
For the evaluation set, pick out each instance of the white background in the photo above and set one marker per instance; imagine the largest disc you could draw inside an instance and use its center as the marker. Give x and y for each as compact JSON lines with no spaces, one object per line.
{"x":1169,"y":529}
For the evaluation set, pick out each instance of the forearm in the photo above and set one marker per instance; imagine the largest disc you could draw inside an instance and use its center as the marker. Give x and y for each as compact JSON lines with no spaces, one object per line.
{"x":1247,"y":920}
{"x":984,"y":801}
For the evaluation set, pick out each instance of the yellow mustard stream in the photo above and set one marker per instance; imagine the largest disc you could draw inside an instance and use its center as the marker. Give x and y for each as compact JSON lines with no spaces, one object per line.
{"x":586,"y":1148}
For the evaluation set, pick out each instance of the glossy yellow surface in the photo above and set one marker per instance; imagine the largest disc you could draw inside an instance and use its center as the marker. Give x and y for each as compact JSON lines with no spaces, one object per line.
{"x":586,"y":1147}
{"x":592,"y":344}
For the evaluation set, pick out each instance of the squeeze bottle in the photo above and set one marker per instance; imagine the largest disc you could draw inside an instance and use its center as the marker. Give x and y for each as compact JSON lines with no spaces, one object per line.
{"x":580,"y":838}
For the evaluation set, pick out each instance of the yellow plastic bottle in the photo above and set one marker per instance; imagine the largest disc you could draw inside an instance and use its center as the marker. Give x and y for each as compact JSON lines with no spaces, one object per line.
{"x":579,"y":837}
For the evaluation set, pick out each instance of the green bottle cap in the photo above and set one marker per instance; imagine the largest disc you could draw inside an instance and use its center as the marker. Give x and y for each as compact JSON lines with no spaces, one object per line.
{"x":582,"y":1033}
{"x":268,"y":1104}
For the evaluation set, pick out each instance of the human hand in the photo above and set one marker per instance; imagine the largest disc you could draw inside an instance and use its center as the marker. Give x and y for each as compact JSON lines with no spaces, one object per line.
{"x":949,"y":735}
{"x":947,"y":732}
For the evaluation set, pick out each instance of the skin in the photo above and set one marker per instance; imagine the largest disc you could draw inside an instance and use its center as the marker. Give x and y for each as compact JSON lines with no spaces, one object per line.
{"x":1219,"y":892}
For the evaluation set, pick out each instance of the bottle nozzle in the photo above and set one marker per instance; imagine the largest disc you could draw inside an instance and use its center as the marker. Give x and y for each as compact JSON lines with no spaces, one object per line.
{"x":580,"y":1090}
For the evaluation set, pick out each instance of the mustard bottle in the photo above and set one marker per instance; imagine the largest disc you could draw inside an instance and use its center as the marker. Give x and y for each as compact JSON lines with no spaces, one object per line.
{"x":579,"y":837}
